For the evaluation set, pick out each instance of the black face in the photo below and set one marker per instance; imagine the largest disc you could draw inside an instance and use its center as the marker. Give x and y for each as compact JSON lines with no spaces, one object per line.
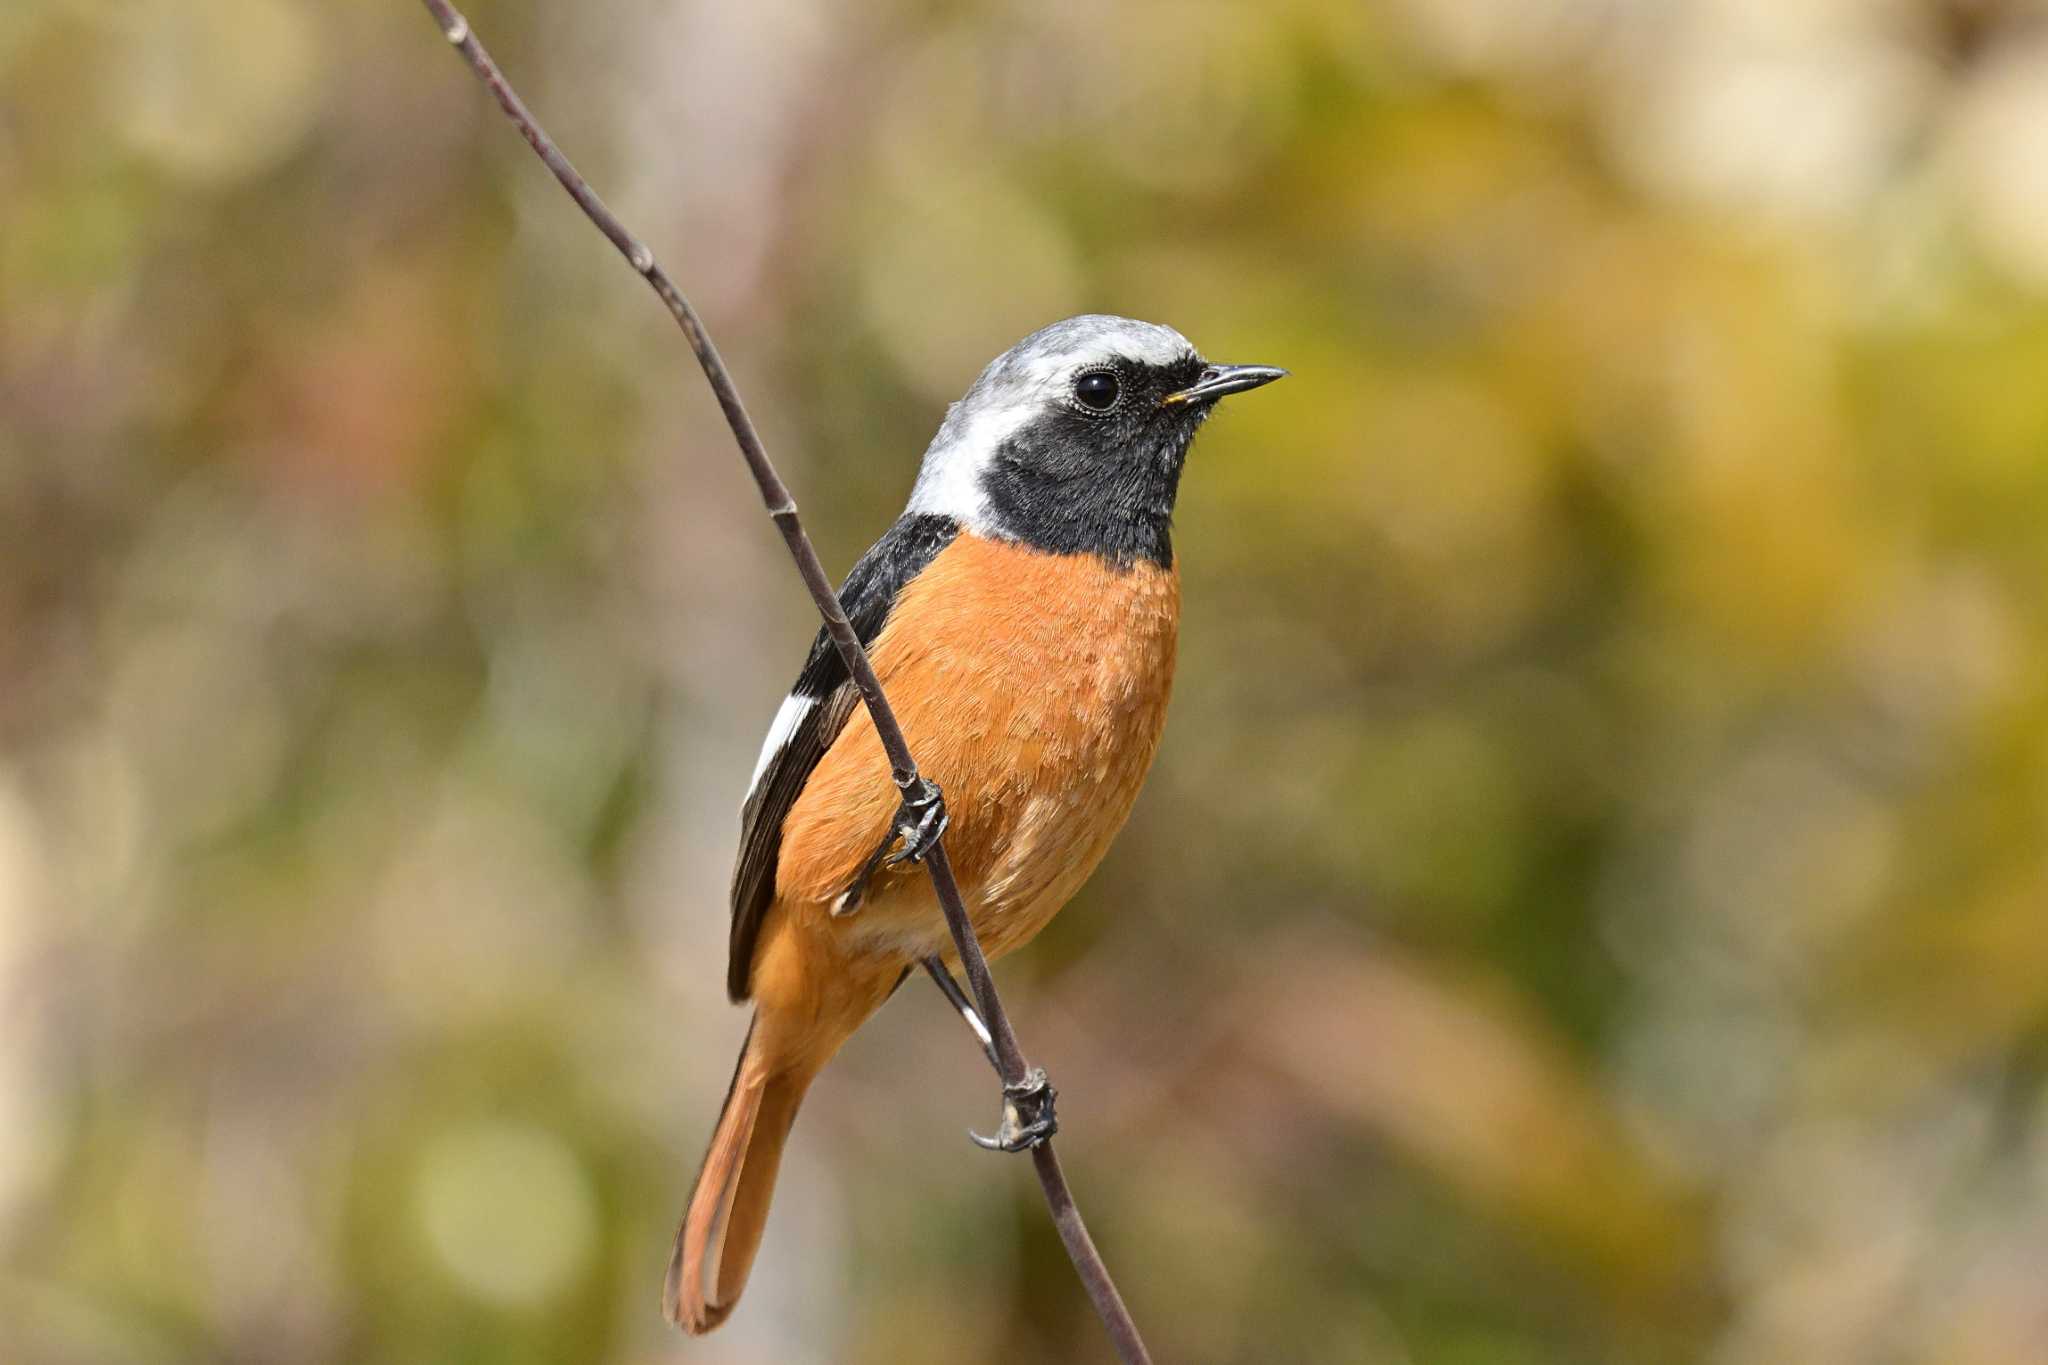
{"x":1098,"y":472}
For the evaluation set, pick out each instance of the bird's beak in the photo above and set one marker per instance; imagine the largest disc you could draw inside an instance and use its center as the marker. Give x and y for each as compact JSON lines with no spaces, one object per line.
{"x":1219,"y":380}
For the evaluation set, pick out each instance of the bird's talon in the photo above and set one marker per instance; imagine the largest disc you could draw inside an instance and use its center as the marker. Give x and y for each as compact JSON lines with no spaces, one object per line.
{"x":1028,"y":1117}
{"x":920,"y":821}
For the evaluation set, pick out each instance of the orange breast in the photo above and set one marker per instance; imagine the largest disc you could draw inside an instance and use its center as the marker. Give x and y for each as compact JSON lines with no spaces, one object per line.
{"x":1033,"y":689}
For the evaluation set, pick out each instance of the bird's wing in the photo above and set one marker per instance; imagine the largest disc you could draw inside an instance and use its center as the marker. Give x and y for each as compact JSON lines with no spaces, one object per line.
{"x":811,"y":717}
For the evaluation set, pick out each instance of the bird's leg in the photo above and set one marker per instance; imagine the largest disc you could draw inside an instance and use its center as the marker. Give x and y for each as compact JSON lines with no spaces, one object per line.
{"x":951,"y":989}
{"x":1028,"y":1117}
{"x":919,"y":822}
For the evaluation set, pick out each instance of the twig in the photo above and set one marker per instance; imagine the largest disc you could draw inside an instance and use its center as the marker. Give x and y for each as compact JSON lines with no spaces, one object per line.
{"x":781,"y":507}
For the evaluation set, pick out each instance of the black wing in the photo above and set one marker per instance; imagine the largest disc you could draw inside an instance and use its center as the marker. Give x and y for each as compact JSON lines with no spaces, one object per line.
{"x":826,"y":697}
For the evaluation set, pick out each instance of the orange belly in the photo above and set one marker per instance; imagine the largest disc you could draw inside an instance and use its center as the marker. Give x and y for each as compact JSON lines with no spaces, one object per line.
{"x":1033,"y":689}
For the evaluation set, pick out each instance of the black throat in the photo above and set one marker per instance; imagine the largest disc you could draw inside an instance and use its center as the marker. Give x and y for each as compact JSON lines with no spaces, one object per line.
{"x":1077,"y":484}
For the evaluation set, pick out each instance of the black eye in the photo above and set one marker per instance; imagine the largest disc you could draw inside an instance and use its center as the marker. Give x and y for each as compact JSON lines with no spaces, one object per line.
{"x":1096,"y":390}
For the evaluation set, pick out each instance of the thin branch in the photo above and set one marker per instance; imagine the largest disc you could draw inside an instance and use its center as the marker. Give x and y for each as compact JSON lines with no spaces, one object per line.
{"x":781,"y":507}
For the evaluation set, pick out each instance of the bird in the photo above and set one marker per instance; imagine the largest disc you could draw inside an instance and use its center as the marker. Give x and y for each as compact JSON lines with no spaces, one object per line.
{"x":1022,"y":616}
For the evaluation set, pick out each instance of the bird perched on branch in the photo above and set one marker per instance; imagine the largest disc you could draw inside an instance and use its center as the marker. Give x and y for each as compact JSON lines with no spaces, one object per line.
{"x":1021,"y":614}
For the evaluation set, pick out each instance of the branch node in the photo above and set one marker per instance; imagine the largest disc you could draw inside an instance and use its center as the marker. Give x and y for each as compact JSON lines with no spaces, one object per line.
{"x":457,"y":32}
{"x":642,"y":259}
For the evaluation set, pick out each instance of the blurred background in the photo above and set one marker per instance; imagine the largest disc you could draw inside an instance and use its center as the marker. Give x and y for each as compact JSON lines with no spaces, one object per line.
{"x":1591,"y":906}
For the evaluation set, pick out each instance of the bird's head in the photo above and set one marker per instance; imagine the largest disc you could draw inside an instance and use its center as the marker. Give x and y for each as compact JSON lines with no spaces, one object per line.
{"x":1073,"y":439}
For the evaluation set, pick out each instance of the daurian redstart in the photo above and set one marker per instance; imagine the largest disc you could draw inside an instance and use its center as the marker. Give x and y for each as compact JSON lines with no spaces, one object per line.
{"x":1021,"y":615}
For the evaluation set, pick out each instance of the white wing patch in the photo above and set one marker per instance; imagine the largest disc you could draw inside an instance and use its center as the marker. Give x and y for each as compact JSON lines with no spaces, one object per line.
{"x":787,"y":718}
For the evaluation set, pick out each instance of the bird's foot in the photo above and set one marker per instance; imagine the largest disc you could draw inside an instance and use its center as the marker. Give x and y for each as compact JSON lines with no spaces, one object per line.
{"x":919,"y":822}
{"x":1028,"y":1117}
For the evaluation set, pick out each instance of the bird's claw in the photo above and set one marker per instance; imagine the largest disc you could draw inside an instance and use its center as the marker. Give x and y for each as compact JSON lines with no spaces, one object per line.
{"x":1028,"y":1117}
{"x":919,"y":822}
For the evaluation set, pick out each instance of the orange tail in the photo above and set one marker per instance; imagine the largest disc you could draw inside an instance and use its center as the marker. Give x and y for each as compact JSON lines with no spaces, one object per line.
{"x":722,"y":1224}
